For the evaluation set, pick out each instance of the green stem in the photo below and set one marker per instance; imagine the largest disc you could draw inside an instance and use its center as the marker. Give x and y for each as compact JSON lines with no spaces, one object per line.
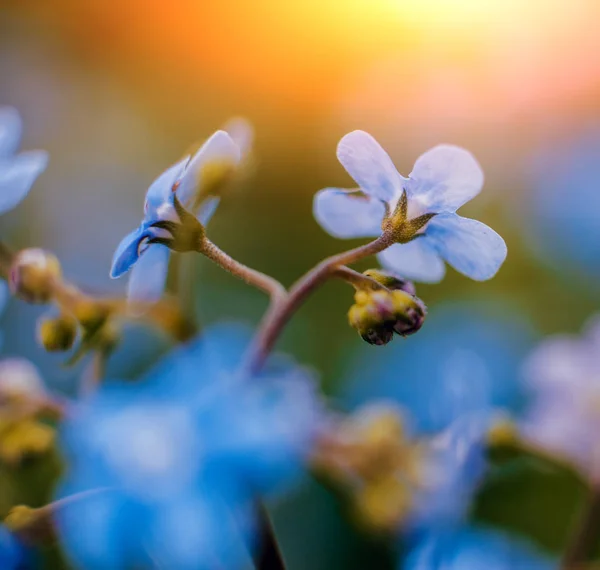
{"x":279,"y":313}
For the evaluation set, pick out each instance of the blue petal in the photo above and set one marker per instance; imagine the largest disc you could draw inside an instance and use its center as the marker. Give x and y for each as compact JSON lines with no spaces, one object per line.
{"x":472,"y":248}
{"x":149,"y":275}
{"x":127,"y":252}
{"x":160,"y":190}
{"x":348,"y":214}
{"x":414,"y":260}
{"x":207,"y":209}
{"x":371,"y":167}
{"x":444,"y":178}
{"x":17,"y":175}
{"x":218,"y":149}
{"x":10,"y":131}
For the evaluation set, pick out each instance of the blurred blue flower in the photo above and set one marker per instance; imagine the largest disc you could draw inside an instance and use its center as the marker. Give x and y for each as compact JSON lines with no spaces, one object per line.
{"x":564,"y":202}
{"x":466,"y":360}
{"x":11,"y":552}
{"x":18,"y":172}
{"x":563,"y":375}
{"x":474,"y":549}
{"x":149,"y":261}
{"x":442,"y":180}
{"x":183,"y":456}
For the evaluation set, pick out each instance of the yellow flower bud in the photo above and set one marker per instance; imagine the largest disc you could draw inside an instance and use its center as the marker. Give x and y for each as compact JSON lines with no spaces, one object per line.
{"x":57,"y":334}
{"x":33,"y":275}
{"x":90,"y":313}
{"x":384,"y":504}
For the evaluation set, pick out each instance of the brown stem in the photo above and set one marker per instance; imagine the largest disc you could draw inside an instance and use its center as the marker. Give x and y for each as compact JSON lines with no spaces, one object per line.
{"x":255,"y":278}
{"x":356,"y":279}
{"x":94,"y":375}
{"x":586,"y":535}
{"x":279,"y":314}
{"x":6,"y":259}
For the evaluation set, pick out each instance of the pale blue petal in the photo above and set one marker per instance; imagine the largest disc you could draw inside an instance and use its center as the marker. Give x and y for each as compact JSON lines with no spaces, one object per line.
{"x":471,"y":247}
{"x":242,"y":133}
{"x":207,"y":209}
{"x":149,"y":275}
{"x":348,"y":213}
{"x":160,"y":190}
{"x":10,"y":131}
{"x":17,"y":175}
{"x":372,"y":168}
{"x":219,"y":149}
{"x":444,"y":178}
{"x":127,"y":252}
{"x":414,"y":260}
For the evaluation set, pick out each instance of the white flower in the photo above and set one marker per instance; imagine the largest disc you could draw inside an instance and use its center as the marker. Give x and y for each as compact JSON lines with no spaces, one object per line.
{"x":442,"y":180}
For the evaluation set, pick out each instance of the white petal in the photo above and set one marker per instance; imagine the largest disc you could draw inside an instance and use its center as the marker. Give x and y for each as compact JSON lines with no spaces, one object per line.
{"x":414,"y":260}
{"x":207,"y":209}
{"x":372,"y":168}
{"x":149,"y":275}
{"x":17,"y":175}
{"x":445,"y":178}
{"x":472,"y":248}
{"x":160,"y":190}
{"x":218,"y":149}
{"x":10,"y":131}
{"x":348,"y":213}
{"x":242,"y":133}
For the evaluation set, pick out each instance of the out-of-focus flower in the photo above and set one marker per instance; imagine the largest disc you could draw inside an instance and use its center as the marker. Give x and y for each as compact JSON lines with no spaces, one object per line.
{"x":10,"y":550}
{"x":563,"y":374}
{"x":466,"y":360}
{"x":473,"y":549}
{"x":564,"y":202}
{"x":183,"y":188}
{"x":33,"y":275}
{"x":183,"y":456}
{"x":18,"y":172}
{"x":420,"y":209}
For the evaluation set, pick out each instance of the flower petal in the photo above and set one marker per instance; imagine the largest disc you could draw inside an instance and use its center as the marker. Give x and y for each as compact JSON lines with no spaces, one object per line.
{"x":348,"y":213}
{"x":10,"y":131}
{"x":372,"y":168}
{"x":149,"y":275}
{"x":472,"y":248}
{"x":414,"y":260}
{"x":219,"y":149}
{"x":445,"y":178}
{"x":127,"y":252}
{"x":160,"y":190}
{"x":242,"y":133}
{"x":207,"y":209}
{"x":17,"y":175}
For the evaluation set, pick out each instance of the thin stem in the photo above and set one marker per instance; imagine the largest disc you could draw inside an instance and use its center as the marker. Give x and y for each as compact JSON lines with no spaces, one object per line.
{"x":586,"y":535}
{"x":6,"y":258}
{"x":356,"y":279}
{"x":279,"y":314}
{"x":268,"y":555}
{"x":95,"y":374}
{"x":255,"y":278}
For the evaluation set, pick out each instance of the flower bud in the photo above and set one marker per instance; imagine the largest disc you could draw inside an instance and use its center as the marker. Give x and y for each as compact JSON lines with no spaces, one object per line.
{"x":90,"y":313}
{"x":33,"y":275}
{"x":377,"y":314}
{"x":19,"y":379}
{"x":57,"y":334}
{"x":391,"y":281}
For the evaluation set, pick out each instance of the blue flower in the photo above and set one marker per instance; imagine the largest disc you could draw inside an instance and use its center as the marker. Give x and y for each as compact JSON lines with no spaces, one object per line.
{"x":474,"y":549}
{"x":180,"y":459}
{"x":18,"y":172}
{"x":467,"y":360}
{"x":442,"y":180}
{"x":181,"y":182}
{"x":11,"y":552}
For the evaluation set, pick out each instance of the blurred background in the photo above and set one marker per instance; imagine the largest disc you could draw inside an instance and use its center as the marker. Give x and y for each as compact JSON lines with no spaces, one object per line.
{"x":116,"y":91}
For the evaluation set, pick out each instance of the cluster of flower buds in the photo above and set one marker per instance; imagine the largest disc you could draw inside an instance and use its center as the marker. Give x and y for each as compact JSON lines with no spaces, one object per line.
{"x":370,"y":454}
{"x":379,"y":312}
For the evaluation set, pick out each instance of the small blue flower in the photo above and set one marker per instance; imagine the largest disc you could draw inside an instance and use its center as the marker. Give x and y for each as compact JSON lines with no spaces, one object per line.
{"x":11,"y":552}
{"x":138,"y":250}
{"x":180,"y":458}
{"x":475,"y":549}
{"x":18,"y":172}
{"x":442,"y":180}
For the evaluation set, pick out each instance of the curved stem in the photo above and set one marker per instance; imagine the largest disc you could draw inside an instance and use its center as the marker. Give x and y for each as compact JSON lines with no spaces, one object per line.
{"x":586,"y":534}
{"x":356,"y":279}
{"x":279,"y":314}
{"x":255,"y":278}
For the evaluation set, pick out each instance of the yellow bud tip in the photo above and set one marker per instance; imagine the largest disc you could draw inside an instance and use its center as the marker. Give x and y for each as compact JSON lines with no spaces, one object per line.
{"x":503,"y":432}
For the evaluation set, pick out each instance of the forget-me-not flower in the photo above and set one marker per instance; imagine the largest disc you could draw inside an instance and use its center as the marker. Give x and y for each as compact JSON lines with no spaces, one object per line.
{"x":472,"y":548}
{"x":421,"y":209}
{"x":180,"y":459}
{"x":563,"y":374}
{"x":169,"y":201}
{"x":18,"y":172}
